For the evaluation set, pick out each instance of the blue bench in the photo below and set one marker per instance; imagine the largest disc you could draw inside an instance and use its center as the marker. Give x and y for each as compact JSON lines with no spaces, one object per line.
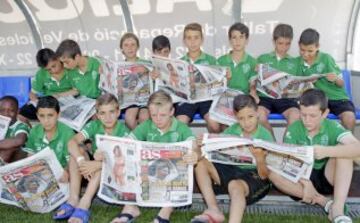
{"x":17,"y":86}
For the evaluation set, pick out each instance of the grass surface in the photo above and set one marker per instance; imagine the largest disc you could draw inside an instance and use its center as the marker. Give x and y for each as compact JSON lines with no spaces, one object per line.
{"x":101,"y":213}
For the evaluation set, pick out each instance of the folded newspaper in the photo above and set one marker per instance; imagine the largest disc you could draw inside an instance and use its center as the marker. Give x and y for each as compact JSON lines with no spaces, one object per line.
{"x":189,"y":82}
{"x":4,"y":125}
{"x":75,"y":112}
{"x":145,"y":173}
{"x":32,"y":183}
{"x":277,"y":84}
{"x":290,"y":161}
{"x":129,"y":82}
{"x":222,"y":110}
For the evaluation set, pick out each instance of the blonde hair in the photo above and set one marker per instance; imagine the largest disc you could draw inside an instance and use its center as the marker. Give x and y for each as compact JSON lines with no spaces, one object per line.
{"x":106,"y":99}
{"x":160,"y":98}
{"x":194,"y":27}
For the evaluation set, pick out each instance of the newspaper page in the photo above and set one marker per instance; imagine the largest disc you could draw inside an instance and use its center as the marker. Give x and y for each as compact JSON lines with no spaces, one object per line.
{"x":75,"y":112}
{"x":174,"y":77}
{"x":129,"y":82}
{"x":290,"y":161}
{"x":189,"y":82}
{"x":4,"y":125}
{"x":145,"y":173}
{"x":33,"y":182}
{"x":221,"y":109}
{"x":277,"y":84}
{"x":209,"y":82}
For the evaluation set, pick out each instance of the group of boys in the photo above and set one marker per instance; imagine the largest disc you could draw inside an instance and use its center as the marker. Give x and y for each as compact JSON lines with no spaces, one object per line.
{"x":68,"y":72}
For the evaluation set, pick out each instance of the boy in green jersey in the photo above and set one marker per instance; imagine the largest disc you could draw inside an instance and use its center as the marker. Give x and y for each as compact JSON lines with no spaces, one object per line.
{"x":50,"y":132}
{"x":51,"y":79}
{"x":241,"y":64}
{"x":80,"y":165}
{"x":244,"y":184}
{"x":16,"y":133}
{"x":161,"y":127}
{"x":86,"y":79}
{"x":332,"y":171}
{"x":129,"y":45}
{"x":313,"y":61}
{"x":193,"y":39}
{"x":280,"y":60}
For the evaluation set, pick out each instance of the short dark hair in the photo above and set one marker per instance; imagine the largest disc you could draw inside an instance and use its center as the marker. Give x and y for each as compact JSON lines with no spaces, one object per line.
{"x":129,"y":36}
{"x":312,"y":97}
{"x":283,"y":30}
{"x":11,"y":99}
{"x":242,"y":101}
{"x":160,"y":42}
{"x":242,"y":28}
{"x":68,"y":48}
{"x":48,"y":102}
{"x":309,"y":36}
{"x":44,"y":56}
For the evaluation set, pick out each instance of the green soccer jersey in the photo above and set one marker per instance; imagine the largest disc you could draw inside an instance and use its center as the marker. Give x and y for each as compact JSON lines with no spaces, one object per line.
{"x":17,"y":128}
{"x":95,"y":127}
{"x":260,"y":133}
{"x":147,"y":131}
{"x":88,"y":83}
{"x":204,"y":59}
{"x":44,"y":84}
{"x":330,"y":134}
{"x":286,"y":64}
{"x":324,"y":64}
{"x":241,"y":72}
{"x":37,"y":141}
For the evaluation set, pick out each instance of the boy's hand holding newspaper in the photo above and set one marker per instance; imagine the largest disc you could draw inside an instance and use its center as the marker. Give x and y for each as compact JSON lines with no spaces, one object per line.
{"x":87,"y":168}
{"x":191,"y":158}
{"x":332,"y":77}
{"x":228,"y":74}
{"x":154,"y":74}
{"x":99,"y":155}
{"x":319,"y":152}
{"x":260,"y":157}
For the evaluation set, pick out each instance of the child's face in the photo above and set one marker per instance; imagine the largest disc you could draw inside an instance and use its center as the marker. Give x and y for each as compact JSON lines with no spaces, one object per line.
{"x":282,"y":45}
{"x":48,"y":118}
{"x":8,"y":109}
{"x":70,"y":63}
{"x":248,"y":120}
{"x":309,"y":52}
{"x":54,"y":66}
{"x":108,"y":114}
{"x":312,"y":116}
{"x":193,"y":40}
{"x":238,"y":41}
{"x":164,"y":52}
{"x":161,"y":115}
{"x":129,"y":48}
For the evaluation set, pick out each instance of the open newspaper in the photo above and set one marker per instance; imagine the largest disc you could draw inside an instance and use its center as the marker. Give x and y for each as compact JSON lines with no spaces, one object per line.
{"x":4,"y":125}
{"x":129,"y":82}
{"x":221,"y":109}
{"x":145,"y":173}
{"x":189,"y":82}
{"x":75,"y":112}
{"x":32,"y":183}
{"x":290,"y":161}
{"x":277,"y":84}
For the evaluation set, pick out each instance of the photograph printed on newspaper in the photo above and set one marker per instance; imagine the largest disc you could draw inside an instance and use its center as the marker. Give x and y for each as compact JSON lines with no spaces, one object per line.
{"x":277,"y":84}
{"x":290,"y":161}
{"x":145,"y":173}
{"x":33,"y":184}
{"x":222,"y":110}
{"x":75,"y":112}
{"x":4,"y":125}
{"x":189,"y":82}
{"x":129,"y":82}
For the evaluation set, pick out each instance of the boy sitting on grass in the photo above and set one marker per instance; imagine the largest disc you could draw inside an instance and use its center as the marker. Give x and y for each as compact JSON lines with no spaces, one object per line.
{"x":81,"y":165}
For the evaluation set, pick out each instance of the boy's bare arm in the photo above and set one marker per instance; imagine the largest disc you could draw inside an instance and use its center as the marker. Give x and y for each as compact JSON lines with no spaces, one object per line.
{"x":349,"y":148}
{"x":74,"y":148}
{"x":15,"y":142}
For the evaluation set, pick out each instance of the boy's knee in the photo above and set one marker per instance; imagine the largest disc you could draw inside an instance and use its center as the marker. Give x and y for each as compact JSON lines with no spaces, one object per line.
{"x":236,"y":187}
